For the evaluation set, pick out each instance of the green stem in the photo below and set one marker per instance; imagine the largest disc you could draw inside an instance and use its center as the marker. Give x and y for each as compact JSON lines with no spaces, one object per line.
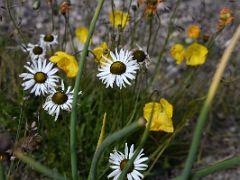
{"x":71,"y":35}
{"x":64,"y":39}
{"x":135,"y":107}
{"x":8,"y":7}
{"x":37,"y":166}
{"x":169,"y":31}
{"x":2,"y":174}
{"x":108,"y":141}
{"x":154,"y":38}
{"x":229,"y":163}
{"x":20,"y":121}
{"x":131,"y":161}
{"x":52,"y":17}
{"x":150,"y":34}
{"x":143,"y":140}
{"x":226,"y":164}
{"x":18,"y":134}
{"x":205,"y":109}
{"x":73,"y":130}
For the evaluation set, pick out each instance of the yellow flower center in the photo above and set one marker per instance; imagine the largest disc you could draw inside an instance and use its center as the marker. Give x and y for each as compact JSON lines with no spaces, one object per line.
{"x":59,"y":98}
{"x":40,"y":77}
{"x":37,"y":50}
{"x":123,"y":164}
{"x":139,"y":55}
{"x":118,"y":68}
{"x":48,"y":38}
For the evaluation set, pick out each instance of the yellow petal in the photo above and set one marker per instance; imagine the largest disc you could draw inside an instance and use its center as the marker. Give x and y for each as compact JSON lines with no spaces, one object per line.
{"x":58,"y":56}
{"x":196,"y":54}
{"x":98,"y":51}
{"x":161,"y":114}
{"x":101,"y":51}
{"x":69,"y":67}
{"x":118,"y":18}
{"x":167,"y":107}
{"x":178,"y":53}
{"x":54,"y":59}
{"x":81,"y":33}
{"x":65,"y":62}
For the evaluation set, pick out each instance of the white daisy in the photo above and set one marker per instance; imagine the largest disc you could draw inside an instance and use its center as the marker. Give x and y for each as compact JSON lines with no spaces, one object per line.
{"x":59,"y":100}
{"x":40,"y":77}
{"x":48,"y":40}
{"x":119,"y":160}
{"x":141,"y":56}
{"x":36,"y":51}
{"x":121,"y":68}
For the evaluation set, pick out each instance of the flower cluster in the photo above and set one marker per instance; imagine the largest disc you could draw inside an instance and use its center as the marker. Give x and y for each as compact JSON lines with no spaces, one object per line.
{"x":41,"y":78}
{"x":118,"y":67}
{"x":195,"y":54}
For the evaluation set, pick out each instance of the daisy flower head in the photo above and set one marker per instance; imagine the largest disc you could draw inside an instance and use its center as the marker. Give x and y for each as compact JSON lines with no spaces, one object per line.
{"x":48,"y":40}
{"x":36,"y":51}
{"x":59,"y":99}
{"x":119,"y":69}
{"x":40,"y":78}
{"x":119,"y":160}
{"x":141,"y":56}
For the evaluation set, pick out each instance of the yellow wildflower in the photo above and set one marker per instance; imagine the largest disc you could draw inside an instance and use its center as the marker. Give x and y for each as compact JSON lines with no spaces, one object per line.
{"x":119,"y":19}
{"x":81,"y":33}
{"x":100,"y":51}
{"x":193,"y":31}
{"x":65,"y":62}
{"x":195,"y":54}
{"x":177,"y":52}
{"x":161,"y":114}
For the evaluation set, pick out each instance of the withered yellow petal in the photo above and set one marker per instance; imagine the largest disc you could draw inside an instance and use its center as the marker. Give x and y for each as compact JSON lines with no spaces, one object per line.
{"x":161,"y":114}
